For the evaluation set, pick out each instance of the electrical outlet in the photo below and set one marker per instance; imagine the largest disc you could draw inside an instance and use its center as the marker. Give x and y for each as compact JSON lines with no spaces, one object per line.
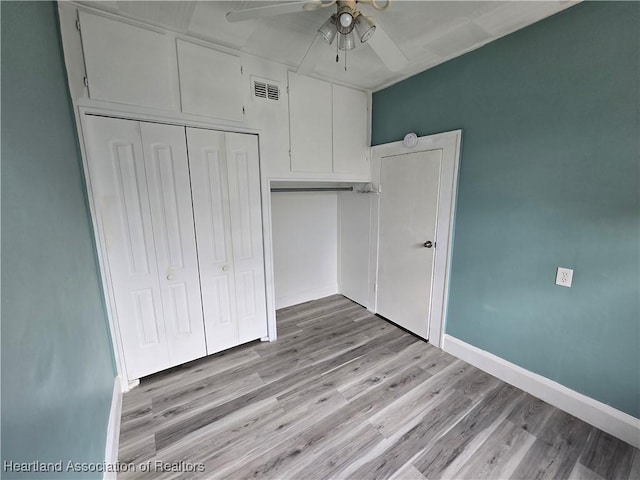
{"x":564,"y":277}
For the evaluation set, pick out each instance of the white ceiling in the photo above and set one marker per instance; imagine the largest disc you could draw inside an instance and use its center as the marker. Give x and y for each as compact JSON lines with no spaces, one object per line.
{"x":427,"y":32}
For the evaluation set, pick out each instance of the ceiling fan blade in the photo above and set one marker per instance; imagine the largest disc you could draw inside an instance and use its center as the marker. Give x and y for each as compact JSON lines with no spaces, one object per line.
{"x":313,"y":5}
{"x":387,"y":50}
{"x":267,"y":11}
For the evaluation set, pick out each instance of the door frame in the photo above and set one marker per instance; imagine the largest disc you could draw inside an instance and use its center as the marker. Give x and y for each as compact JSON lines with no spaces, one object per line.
{"x":450,"y":144}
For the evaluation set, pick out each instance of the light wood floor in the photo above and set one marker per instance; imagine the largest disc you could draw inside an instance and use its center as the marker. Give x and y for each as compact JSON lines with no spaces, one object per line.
{"x":345,"y":394}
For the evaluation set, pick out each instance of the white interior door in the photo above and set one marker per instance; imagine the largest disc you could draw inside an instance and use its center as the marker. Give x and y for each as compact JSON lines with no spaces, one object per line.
{"x":408,"y":220}
{"x":167,"y":172}
{"x":118,"y":180}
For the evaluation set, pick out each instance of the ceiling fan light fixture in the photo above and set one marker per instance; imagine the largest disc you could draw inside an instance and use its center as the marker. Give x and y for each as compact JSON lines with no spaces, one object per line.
{"x":345,"y":20}
{"x":328,"y":30}
{"x":364,"y":27}
{"x":346,"y":41}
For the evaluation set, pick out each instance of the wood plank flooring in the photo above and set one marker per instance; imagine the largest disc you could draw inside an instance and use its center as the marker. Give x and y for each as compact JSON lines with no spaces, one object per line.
{"x":345,"y":394}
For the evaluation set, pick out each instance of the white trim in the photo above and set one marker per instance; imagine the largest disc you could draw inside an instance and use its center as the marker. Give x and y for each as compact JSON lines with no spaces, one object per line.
{"x":598,"y":414}
{"x":449,"y":143}
{"x":267,"y":244}
{"x":113,"y":429}
{"x":145,"y":114}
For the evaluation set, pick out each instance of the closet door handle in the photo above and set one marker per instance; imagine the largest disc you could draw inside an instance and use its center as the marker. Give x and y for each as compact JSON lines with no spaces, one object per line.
{"x":225,"y":268}
{"x":170,"y":276}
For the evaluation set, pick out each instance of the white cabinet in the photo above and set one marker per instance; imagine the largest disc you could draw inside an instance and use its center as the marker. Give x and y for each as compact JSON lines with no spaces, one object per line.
{"x":210,"y":81}
{"x":137,"y":66}
{"x":328,"y":129}
{"x":127,"y":64}
{"x":310,"y":124}
{"x":182,"y":238}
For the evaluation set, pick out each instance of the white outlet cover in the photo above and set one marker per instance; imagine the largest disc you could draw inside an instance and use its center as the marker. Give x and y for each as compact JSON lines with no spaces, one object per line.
{"x":564,"y":277}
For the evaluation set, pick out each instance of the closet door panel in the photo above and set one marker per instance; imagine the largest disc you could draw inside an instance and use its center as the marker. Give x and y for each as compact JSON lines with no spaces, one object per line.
{"x":118,"y":181}
{"x":210,"y":193}
{"x":169,"y":186}
{"x":246,"y":233}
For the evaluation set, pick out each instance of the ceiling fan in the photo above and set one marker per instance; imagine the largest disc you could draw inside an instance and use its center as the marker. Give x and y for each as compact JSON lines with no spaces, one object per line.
{"x":347,"y":24}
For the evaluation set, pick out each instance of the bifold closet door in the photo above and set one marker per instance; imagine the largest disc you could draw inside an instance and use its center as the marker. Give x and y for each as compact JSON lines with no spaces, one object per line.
{"x":167,"y":168}
{"x":140,"y":183}
{"x":225,"y":182}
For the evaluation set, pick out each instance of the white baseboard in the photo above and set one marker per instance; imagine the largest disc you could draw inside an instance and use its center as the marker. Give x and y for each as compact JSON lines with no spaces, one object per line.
{"x":598,"y":414}
{"x":113,"y":429}
{"x":307,"y":295}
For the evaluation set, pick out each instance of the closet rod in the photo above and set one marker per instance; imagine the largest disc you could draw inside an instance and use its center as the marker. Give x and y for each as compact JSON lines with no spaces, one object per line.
{"x":311,"y":189}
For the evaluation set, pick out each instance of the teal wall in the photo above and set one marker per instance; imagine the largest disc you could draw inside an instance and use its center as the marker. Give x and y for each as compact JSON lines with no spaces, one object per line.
{"x":57,"y":362}
{"x":549,"y":176}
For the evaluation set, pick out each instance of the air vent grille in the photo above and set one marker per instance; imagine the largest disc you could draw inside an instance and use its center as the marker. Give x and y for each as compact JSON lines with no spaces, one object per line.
{"x":260,"y":89}
{"x":273,"y":92}
{"x":266,"y":90}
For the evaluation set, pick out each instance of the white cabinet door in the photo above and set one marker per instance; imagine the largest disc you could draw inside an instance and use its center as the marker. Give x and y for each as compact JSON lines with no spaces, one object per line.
{"x":167,"y":169}
{"x":350,"y":132}
{"x":225,"y":186}
{"x":328,"y":129}
{"x":118,"y":180}
{"x":210,"y":81}
{"x":310,"y":120}
{"x":127,"y":64}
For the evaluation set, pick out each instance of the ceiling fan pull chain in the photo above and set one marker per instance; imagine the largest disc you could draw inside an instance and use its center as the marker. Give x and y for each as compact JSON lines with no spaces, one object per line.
{"x":337,"y":53}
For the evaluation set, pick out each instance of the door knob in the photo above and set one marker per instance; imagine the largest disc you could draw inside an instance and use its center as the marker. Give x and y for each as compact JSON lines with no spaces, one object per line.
{"x":170,"y":276}
{"x":428,"y":244}
{"x":225,"y":268}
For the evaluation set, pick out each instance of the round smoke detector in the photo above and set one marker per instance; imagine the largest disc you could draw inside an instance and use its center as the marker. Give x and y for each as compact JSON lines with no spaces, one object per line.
{"x":410,"y":140}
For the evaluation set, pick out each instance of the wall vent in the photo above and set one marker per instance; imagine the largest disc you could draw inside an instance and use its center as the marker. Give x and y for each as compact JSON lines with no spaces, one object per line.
{"x":265,"y":89}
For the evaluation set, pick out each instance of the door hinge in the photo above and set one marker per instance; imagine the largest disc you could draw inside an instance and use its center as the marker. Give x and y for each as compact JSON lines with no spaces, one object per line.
{"x":243,"y":109}
{"x":86,"y":82}
{"x":78,"y":24}
{"x":289,"y":152}
{"x":241,"y":70}
{"x":287,"y":89}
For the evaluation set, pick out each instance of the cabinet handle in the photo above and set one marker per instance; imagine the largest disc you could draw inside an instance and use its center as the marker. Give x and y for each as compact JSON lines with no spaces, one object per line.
{"x":225,"y":268}
{"x":170,"y":276}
